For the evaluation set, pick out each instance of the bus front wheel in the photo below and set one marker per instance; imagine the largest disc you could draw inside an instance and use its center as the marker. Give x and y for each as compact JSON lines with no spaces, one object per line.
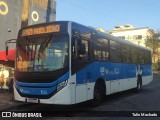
{"x":98,"y":96}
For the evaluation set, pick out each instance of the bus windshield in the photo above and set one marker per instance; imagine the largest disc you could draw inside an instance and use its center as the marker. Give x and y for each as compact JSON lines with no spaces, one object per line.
{"x":42,"y":54}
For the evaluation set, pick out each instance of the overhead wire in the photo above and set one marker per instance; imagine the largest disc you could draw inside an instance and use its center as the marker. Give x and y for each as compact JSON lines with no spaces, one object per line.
{"x":98,"y":13}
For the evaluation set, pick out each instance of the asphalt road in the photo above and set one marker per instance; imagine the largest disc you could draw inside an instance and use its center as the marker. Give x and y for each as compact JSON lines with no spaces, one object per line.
{"x":117,"y":105}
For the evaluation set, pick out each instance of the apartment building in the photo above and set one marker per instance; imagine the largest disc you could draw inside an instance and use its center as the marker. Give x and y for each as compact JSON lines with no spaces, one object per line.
{"x":135,"y":35}
{"x":16,"y":14}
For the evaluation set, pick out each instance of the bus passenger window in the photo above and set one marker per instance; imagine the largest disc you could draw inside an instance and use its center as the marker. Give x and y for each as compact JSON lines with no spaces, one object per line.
{"x":125,"y":53}
{"x":105,"y":53}
{"x":83,"y":50}
{"x":141,"y":56}
{"x":147,"y":57}
{"x":134,"y":55}
{"x":98,"y":52}
{"x":115,"y":51}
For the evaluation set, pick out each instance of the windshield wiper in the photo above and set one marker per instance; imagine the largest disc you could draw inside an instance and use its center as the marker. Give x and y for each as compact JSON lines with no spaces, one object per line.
{"x":44,"y":44}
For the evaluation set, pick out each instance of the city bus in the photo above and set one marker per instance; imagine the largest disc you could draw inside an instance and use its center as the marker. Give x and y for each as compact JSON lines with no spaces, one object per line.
{"x":66,"y":63}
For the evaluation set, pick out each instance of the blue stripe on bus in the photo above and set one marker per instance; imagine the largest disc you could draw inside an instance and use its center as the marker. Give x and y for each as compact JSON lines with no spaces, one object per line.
{"x":111,"y":71}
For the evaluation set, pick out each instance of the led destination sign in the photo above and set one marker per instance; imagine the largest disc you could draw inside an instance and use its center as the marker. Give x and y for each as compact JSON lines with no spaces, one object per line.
{"x":41,"y":30}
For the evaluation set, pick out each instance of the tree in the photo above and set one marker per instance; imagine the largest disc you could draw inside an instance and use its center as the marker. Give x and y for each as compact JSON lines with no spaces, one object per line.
{"x":153,"y":43}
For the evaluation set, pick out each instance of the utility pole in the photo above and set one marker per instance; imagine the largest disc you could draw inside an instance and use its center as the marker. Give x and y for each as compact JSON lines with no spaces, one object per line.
{"x":48,"y":11}
{"x":25,"y":13}
{"x":51,"y":11}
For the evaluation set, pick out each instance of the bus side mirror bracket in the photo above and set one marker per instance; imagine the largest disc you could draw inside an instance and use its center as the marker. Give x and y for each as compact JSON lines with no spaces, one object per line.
{"x":6,"y":44}
{"x":7,"y":50}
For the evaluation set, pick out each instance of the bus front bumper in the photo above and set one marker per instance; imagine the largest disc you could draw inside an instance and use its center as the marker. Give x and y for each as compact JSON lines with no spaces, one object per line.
{"x":63,"y":97}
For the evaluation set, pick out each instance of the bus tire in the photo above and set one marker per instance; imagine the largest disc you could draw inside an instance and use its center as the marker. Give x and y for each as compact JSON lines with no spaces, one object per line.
{"x":139,"y":84}
{"x":99,"y":94}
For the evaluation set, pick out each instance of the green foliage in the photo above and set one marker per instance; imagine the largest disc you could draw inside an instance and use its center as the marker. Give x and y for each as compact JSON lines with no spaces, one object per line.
{"x":154,"y":43}
{"x":156,"y":66}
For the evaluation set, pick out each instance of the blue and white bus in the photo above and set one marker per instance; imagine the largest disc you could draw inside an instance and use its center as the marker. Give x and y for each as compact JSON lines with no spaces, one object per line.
{"x":66,"y":63}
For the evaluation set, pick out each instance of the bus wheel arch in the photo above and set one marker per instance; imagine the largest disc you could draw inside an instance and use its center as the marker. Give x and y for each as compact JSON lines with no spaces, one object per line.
{"x":99,"y":92}
{"x":101,"y":81}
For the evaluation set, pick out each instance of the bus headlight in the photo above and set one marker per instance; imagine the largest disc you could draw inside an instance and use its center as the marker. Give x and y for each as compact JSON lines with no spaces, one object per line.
{"x":61,"y":85}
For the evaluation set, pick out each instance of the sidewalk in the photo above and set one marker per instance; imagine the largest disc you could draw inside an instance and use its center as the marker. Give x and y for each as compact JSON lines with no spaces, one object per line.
{"x":156,"y":72}
{"x":6,"y":101}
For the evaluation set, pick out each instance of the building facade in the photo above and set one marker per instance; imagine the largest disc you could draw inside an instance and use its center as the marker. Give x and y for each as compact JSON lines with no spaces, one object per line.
{"x":15,"y":14}
{"x":135,"y":35}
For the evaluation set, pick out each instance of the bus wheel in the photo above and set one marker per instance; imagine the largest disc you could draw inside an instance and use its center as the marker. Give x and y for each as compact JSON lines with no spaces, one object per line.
{"x":98,"y":95}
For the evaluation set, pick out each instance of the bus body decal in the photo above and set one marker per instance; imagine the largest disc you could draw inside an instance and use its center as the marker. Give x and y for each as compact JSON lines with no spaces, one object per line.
{"x":112,"y":71}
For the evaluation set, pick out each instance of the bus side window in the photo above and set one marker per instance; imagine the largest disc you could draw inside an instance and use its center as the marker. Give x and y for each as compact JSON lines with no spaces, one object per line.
{"x":125,"y":53}
{"x":97,"y":51}
{"x":134,"y":55}
{"x":147,"y":57}
{"x":105,"y":52}
{"x":141,"y":56}
{"x":101,"y":49}
{"x":83,"y":50}
{"x":115,"y":51}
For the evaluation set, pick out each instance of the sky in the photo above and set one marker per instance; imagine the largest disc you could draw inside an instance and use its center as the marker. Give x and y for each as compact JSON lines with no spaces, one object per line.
{"x":109,"y":13}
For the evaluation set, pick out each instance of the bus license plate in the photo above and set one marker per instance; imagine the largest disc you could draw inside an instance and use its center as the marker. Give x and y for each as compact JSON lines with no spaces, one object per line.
{"x":32,"y":100}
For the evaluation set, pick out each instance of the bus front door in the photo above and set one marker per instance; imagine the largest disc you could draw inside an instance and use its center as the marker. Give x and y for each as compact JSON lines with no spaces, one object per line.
{"x":81,"y":90}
